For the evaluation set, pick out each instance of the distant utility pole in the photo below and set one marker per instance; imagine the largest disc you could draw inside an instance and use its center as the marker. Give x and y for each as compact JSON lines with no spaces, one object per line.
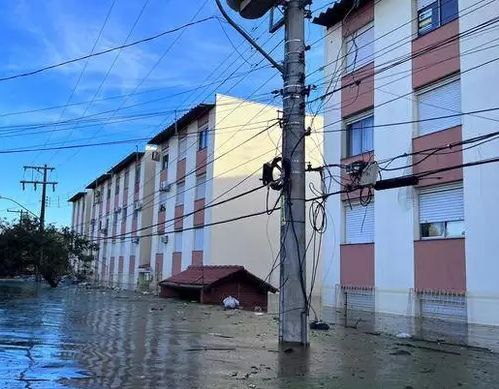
{"x":43,"y":172}
{"x":20,"y":212}
{"x":293,"y":306}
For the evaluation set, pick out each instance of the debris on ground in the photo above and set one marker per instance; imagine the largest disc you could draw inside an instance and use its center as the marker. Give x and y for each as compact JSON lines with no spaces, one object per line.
{"x":230,"y":303}
{"x":403,"y":335}
{"x":319,"y":325}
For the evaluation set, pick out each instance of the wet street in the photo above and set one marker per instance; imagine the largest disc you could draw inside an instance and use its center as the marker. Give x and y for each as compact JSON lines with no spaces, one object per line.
{"x":74,"y":337}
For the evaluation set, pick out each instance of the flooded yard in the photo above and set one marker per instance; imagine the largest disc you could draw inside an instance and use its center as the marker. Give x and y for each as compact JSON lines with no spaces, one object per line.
{"x":74,"y":337}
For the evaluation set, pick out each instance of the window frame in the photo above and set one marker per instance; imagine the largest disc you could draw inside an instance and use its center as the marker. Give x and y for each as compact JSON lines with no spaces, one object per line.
{"x":200,"y":184}
{"x":177,"y":241}
{"x":165,"y":161}
{"x":180,"y":194}
{"x":197,"y":231}
{"x":182,"y":151}
{"x":430,"y":88}
{"x":443,"y":224}
{"x":348,"y":132}
{"x":203,"y":138}
{"x":435,"y":6}
{"x":356,"y":65}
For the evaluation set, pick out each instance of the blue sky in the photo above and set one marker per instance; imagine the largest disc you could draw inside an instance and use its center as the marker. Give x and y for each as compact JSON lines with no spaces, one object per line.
{"x":156,"y":77}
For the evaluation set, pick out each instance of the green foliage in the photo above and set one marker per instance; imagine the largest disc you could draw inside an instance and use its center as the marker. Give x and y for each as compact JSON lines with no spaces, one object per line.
{"x":52,"y":253}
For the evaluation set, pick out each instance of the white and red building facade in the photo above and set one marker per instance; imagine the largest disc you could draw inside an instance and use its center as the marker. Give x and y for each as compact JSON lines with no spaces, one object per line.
{"x":430,"y":249}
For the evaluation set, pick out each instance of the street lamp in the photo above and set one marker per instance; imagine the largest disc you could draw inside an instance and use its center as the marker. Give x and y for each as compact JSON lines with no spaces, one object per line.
{"x":251,"y":9}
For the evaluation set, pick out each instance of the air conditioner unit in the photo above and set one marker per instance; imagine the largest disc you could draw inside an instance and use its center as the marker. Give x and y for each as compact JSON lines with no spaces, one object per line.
{"x":93,"y":221}
{"x":156,"y":156}
{"x":137,"y":205}
{"x":165,"y":186}
{"x":135,"y":240}
{"x":103,"y":231}
{"x":162,"y":208}
{"x":164,"y":239}
{"x":117,"y":209}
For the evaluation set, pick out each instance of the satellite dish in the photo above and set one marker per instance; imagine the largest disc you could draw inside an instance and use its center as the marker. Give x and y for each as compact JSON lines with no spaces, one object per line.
{"x":251,"y":9}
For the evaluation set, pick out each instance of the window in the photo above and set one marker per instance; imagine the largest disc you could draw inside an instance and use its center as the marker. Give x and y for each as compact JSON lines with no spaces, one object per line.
{"x":179,"y":197}
{"x":117,"y":185}
{"x":441,"y":212}
{"x":126,"y":179}
{"x":199,"y":239}
{"x":435,"y":13}
{"x":203,"y":138}
{"x":108,"y":193}
{"x":359,"y":48}
{"x":443,"y":100}
{"x":164,"y":162}
{"x":359,"y":223}
{"x":201,"y":186}
{"x":360,"y":136}
{"x":137,"y":173}
{"x":177,"y":244}
{"x":182,"y":147}
{"x":123,"y":218}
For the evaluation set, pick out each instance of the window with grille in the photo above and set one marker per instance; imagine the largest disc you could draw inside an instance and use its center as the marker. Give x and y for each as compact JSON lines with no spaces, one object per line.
{"x":164,"y":162}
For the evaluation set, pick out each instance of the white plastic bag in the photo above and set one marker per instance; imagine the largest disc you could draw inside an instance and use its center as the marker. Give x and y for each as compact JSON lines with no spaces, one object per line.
{"x":230,"y":303}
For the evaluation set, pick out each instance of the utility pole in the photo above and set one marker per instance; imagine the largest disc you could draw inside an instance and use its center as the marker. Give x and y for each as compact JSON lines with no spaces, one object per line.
{"x":293,"y":305}
{"x":43,"y":171}
{"x":19,"y":211}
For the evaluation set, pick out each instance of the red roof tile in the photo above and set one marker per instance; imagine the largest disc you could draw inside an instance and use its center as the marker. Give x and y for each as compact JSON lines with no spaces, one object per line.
{"x":207,"y":275}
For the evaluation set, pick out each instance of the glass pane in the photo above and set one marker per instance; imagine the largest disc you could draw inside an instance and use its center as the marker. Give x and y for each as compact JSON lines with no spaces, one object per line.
{"x":455,"y":228}
{"x":179,"y":197}
{"x":429,"y":230}
{"x":355,"y":139}
{"x":428,"y":18}
{"x":449,"y":10}
{"x":367,"y":134}
{"x":365,"y":47}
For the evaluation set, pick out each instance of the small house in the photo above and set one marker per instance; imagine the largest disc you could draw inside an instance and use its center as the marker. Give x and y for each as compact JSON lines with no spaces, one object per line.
{"x":211,"y":284}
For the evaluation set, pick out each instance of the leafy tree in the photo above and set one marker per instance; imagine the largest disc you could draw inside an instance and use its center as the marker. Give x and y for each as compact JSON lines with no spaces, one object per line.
{"x":52,"y":253}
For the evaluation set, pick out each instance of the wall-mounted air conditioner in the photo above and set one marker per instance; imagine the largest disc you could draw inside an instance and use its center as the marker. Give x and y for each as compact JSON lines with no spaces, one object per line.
{"x":164,"y":239}
{"x":137,"y":205}
{"x":135,"y":240}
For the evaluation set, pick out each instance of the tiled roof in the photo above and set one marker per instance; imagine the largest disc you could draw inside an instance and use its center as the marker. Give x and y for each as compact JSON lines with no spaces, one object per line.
{"x":337,"y":12}
{"x":203,"y":276}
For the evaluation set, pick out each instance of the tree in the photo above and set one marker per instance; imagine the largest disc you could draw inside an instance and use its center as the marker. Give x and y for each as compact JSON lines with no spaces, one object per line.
{"x":53,"y":253}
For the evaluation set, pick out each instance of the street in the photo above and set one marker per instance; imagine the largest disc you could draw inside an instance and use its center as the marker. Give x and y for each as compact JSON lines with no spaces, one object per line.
{"x":74,"y":337}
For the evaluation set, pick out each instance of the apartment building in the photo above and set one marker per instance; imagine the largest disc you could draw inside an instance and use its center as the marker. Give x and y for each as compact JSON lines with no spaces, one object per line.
{"x":119,"y":216}
{"x":407,"y":77}
{"x":212,"y":153}
{"x":151,"y":212}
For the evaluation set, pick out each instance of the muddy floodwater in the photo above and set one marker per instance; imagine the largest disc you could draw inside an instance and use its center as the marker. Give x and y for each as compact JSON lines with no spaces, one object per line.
{"x":87,"y":338}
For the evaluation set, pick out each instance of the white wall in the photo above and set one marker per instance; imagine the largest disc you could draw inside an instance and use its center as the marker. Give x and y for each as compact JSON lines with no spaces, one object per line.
{"x":481,"y":188}
{"x":394,"y":215}
{"x":251,"y":242}
{"x":333,"y":153}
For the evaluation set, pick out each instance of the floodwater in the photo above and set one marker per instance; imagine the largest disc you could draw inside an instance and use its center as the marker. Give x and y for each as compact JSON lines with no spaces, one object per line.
{"x":74,"y":337}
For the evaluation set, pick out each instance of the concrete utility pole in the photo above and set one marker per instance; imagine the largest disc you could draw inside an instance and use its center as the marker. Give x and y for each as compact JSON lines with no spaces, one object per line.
{"x":293,"y":306}
{"x":43,"y":170}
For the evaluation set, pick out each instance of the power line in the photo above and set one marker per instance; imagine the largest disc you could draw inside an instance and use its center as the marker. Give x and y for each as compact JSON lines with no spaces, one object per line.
{"x":124,"y":46}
